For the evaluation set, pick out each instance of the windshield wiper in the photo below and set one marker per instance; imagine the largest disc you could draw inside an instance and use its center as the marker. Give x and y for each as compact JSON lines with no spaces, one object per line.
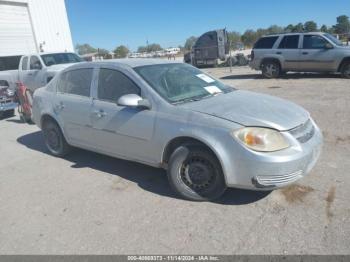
{"x":195,"y":98}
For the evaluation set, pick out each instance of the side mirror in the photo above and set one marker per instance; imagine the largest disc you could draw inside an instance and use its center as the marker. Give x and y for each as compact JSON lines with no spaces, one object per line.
{"x":328,"y":46}
{"x":133,"y":100}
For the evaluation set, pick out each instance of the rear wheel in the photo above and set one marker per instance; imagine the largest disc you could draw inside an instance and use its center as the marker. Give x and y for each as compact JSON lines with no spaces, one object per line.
{"x":196,"y":174}
{"x":346,"y":70}
{"x":54,"y":139}
{"x":271,"y":69}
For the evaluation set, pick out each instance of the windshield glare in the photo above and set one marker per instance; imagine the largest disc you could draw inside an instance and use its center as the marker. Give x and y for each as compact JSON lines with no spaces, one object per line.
{"x":333,"y":39}
{"x":60,"y":58}
{"x":181,"y":82}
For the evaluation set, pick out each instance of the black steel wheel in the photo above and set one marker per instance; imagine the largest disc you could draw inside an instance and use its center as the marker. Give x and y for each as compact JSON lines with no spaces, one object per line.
{"x":54,"y":139}
{"x":195,"y":173}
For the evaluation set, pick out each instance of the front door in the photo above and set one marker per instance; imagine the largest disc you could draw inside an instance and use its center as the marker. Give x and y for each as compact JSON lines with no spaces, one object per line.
{"x":315,"y":56}
{"x":117,"y":130}
{"x":32,"y":77}
{"x":73,"y":105}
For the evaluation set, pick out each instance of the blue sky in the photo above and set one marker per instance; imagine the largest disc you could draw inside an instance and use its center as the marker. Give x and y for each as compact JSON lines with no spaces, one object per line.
{"x":109,"y":23}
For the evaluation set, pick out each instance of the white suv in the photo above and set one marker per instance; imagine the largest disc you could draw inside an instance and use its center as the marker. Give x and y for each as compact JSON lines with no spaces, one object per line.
{"x":300,"y":52}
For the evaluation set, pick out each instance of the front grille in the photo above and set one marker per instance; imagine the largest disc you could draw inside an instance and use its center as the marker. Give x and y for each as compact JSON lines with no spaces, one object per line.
{"x":278,"y":180}
{"x":5,"y":100}
{"x":304,"y":132}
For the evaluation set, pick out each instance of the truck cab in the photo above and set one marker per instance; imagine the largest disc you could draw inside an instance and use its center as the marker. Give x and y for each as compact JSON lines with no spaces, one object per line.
{"x":36,"y":70}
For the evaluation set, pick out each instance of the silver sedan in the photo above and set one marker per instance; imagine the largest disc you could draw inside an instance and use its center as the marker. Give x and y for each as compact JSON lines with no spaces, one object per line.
{"x":207,"y":135}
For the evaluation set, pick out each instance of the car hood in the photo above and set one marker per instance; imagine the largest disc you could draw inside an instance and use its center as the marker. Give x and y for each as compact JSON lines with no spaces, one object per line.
{"x":252,"y":109}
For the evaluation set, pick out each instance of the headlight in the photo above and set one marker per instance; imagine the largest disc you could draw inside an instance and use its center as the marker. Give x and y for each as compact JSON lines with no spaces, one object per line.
{"x":261,"y":139}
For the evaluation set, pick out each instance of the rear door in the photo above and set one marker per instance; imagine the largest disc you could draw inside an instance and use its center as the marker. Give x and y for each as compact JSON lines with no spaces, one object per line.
{"x":288,"y":48}
{"x":73,"y":105}
{"x":315,"y":56}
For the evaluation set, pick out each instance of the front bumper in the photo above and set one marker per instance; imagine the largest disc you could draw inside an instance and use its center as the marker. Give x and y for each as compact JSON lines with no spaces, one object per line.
{"x":265,"y":171}
{"x":8,"y":106}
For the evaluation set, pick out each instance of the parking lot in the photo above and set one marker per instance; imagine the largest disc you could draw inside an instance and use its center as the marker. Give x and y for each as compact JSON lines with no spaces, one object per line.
{"x":93,"y":204}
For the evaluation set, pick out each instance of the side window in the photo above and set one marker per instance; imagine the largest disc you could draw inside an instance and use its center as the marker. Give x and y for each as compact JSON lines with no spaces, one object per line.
{"x":314,"y":42}
{"x":76,"y":82}
{"x":266,"y":42}
{"x":25,"y":63}
{"x":112,"y":85}
{"x":289,"y":42}
{"x":35,"y":63}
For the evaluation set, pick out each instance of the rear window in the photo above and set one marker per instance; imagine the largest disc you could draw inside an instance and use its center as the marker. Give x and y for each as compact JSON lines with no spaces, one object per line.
{"x":289,"y":42}
{"x":76,"y":82}
{"x":9,"y":63}
{"x":266,"y":42}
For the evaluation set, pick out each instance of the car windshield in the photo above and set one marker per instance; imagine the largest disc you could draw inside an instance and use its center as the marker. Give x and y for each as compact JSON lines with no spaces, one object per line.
{"x":333,"y":39}
{"x":60,"y":58}
{"x":181,"y":83}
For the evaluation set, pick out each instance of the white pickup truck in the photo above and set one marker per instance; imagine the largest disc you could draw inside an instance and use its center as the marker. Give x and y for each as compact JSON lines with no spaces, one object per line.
{"x":33,"y":71}
{"x":37,"y":70}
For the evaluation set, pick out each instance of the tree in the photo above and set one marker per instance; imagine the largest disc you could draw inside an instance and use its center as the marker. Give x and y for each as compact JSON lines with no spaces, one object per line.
{"x":102,"y":52}
{"x":343,"y":25}
{"x":299,"y":28}
{"x":275,"y":29}
{"x":289,"y":28}
{"x":85,"y":49}
{"x":310,"y":26}
{"x":149,"y":48}
{"x":154,"y":48}
{"x":190,"y":42}
{"x":324,"y":29}
{"x":249,"y":37}
{"x":234,"y":39}
{"x":121,"y":51}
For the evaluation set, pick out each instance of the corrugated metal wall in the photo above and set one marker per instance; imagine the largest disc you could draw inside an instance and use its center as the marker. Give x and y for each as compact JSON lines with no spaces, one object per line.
{"x":48,"y":22}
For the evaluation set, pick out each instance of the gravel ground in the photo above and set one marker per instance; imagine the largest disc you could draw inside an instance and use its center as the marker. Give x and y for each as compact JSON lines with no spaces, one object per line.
{"x":93,"y":204}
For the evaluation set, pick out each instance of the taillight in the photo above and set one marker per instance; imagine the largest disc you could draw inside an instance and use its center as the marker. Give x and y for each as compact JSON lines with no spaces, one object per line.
{"x":252,"y":55}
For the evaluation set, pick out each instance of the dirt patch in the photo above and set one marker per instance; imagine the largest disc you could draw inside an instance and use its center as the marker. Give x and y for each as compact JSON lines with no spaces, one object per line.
{"x":330,"y":199}
{"x":119,"y":184}
{"x":274,"y":87}
{"x":296,"y":193}
{"x":340,"y":139}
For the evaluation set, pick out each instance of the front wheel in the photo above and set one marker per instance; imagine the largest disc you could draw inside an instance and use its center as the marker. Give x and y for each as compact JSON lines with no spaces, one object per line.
{"x":271,"y":69}
{"x":196,"y":174}
{"x":346,"y":70}
{"x":54,"y":139}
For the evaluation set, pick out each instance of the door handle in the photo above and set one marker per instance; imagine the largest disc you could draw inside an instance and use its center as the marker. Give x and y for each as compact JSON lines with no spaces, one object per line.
{"x":100,"y":113}
{"x":279,"y":53}
{"x":305,"y":53}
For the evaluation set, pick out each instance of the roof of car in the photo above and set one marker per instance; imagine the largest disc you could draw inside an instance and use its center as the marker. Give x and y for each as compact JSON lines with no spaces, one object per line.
{"x":135,"y":62}
{"x":296,"y":33}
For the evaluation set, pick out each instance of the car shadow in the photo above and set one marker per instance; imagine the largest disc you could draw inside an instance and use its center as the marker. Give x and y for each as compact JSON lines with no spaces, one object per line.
{"x":285,"y":76}
{"x":148,"y":178}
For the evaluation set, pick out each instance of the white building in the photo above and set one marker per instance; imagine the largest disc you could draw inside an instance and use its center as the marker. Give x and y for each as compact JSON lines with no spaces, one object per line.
{"x":30,"y":26}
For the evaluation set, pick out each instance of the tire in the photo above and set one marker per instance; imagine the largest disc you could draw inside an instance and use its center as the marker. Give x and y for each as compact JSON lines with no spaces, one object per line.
{"x":346,"y":70}
{"x":10,"y":113}
{"x":196,"y":174}
{"x":54,"y":139}
{"x":271,"y":69}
